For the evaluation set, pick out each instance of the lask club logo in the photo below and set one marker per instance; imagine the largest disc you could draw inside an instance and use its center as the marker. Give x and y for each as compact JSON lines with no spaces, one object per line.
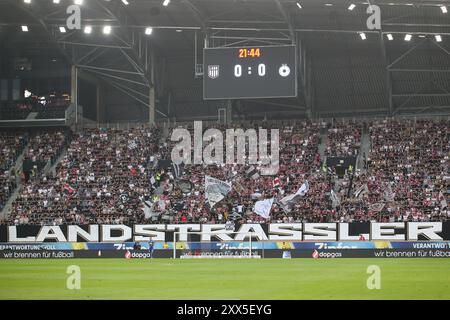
{"x":213,"y":71}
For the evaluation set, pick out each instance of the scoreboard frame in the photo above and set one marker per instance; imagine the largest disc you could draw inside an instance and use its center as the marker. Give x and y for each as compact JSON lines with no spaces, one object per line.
{"x":295,"y":70}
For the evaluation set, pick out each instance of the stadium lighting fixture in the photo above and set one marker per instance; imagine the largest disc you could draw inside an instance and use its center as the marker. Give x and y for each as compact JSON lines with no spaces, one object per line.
{"x":408,"y":37}
{"x":78,"y":2}
{"x":390,"y":37}
{"x":62,"y":29}
{"x":25,"y":28}
{"x":351,"y":7}
{"x":125,"y":2}
{"x":328,"y":4}
{"x":88,"y":29}
{"x":166,"y":3}
{"x":444,"y":9}
{"x":438,"y":38}
{"x":56,"y":1}
{"x":107,"y":29}
{"x":362,"y":35}
{"x":299,"y":5}
{"x":27,"y":1}
{"x":148,"y":31}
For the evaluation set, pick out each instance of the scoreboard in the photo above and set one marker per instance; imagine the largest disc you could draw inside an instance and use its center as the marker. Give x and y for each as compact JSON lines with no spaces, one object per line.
{"x":249,"y":72}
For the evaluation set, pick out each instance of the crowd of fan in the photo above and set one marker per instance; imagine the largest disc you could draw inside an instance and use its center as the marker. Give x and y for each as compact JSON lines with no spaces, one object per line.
{"x":8,"y":184}
{"x":50,"y":108}
{"x":102,"y":178}
{"x":344,"y":139}
{"x":11,"y":145}
{"x":299,"y":160}
{"x":407,"y":174}
{"x":11,"y":111}
{"x":45,"y":146}
{"x":110,"y":176}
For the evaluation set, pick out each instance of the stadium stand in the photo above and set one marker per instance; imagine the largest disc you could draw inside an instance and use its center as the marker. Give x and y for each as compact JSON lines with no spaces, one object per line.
{"x":408,"y":172}
{"x":98,"y":167}
{"x":54,"y":108}
{"x":12,"y":145}
{"x":344,"y":139}
{"x":9,"y":111}
{"x":45,"y":146}
{"x":107,"y":175}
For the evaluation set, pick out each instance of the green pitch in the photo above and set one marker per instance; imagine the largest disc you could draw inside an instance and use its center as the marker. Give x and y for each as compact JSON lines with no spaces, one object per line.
{"x":226,"y":279}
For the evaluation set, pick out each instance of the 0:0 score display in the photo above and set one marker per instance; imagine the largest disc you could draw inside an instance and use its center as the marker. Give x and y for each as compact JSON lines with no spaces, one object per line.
{"x":238,"y":70}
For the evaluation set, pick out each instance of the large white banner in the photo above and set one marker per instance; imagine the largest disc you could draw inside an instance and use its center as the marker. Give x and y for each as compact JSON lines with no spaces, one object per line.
{"x":215,"y":190}
{"x":296,"y":231}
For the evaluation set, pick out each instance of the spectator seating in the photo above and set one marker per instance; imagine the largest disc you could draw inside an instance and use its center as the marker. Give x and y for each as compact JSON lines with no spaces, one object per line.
{"x":11,"y":146}
{"x":106,"y":175}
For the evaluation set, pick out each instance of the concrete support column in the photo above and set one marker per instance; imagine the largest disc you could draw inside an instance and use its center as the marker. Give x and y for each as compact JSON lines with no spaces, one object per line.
{"x":101,"y":103}
{"x":151,"y":106}
{"x":229,"y":111}
{"x":74,"y":90}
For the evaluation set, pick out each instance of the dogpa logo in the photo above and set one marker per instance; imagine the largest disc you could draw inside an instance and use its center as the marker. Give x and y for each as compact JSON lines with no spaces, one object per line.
{"x":327,"y":255}
{"x":315,"y":254}
{"x":213,"y":71}
{"x":128,"y":255}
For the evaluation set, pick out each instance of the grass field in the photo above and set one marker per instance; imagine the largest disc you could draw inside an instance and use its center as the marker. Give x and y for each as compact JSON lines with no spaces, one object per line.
{"x":226,"y":279}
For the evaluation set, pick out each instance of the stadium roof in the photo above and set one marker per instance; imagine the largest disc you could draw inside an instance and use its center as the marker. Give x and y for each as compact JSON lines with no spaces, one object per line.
{"x":342,"y":73}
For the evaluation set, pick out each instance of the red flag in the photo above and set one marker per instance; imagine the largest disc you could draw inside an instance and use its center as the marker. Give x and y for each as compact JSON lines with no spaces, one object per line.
{"x":276,"y":182}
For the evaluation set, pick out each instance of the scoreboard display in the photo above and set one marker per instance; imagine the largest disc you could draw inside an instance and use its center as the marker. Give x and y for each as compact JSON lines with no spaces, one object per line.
{"x":249,"y":72}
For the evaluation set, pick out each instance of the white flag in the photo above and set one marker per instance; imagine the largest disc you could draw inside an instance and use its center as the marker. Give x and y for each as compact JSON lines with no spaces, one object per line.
{"x":148,"y":212}
{"x":263,"y":207}
{"x":363,"y":189}
{"x":252,"y":172}
{"x":215,"y":190}
{"x":376,"y":206}
{"x":303,"y":189}
{"x":288,"y":201}
{"x":335,"y":199}
{"x":443,"y":200}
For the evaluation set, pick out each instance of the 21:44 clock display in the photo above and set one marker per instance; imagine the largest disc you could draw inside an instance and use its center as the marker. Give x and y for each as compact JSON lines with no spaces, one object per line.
{"x":249,"y":52}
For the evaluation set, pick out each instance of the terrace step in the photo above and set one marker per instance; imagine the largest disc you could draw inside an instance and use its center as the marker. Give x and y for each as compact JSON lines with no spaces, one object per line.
{"x":32,"y":115}
{"x":364,"y":149}
{"x":323,"y":143}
